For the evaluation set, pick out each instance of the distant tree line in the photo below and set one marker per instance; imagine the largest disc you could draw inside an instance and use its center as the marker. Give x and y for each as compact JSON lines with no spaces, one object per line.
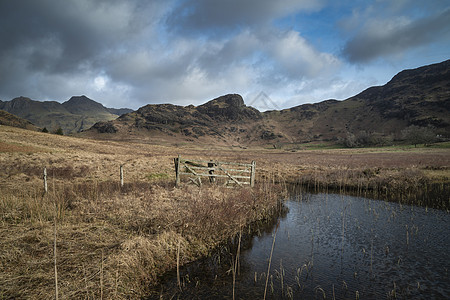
{"x":413,"y":135}
{"x":365,"y":139}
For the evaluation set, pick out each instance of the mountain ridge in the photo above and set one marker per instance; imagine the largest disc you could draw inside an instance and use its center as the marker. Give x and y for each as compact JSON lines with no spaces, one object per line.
{"x":74,"y":115}
{"x":418,"y":97}
{"x":414,"y":97}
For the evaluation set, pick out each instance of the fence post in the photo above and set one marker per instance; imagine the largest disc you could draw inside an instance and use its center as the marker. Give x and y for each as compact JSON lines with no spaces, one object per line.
{"x":177,"y":171}
{"x":121,"y":175}
{"x":45,"y":180}
{"x":252,"y":174}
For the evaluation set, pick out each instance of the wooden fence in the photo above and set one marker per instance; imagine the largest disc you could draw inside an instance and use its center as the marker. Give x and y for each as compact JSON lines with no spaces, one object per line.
{"x":226,"y":173}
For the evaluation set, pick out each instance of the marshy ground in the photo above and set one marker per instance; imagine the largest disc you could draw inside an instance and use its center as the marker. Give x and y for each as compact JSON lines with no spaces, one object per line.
{"x":114,"y":242}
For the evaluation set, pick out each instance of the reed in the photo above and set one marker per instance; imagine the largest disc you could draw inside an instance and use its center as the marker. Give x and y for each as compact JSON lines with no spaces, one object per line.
{"x":282,"y":277}
{"x":371,"y":257}
{"x":289,"y":292}
{"x":236,"y":263}
{"x":407,"y":236}
{"x":101,"y":275}
{"x":178,"y":265}
{"x":270,"y":260}
{"x":54,"y":253}
{"x":319,"y":289}
{"x":343,"y":230}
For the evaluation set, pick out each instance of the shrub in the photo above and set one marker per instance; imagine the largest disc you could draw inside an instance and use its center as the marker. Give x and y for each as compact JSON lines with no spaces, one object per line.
{"x":59,"y":131}
{"x":365,"y":139}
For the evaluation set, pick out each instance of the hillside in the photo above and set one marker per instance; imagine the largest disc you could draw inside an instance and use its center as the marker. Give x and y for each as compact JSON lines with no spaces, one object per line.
{"x":418,"y":97}
{"x":8,"y":119}
{"x":74,"y":115}
{"x":225,"y":120}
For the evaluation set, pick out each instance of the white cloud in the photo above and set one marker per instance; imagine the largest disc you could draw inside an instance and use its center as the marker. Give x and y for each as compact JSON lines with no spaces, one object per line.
{"x":299,"y":59}
{"x":195,"y":70}
{"x":100,"y":83}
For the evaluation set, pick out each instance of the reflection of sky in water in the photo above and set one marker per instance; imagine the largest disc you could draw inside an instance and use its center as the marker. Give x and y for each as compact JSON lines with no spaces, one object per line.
{"x":343,"y":244}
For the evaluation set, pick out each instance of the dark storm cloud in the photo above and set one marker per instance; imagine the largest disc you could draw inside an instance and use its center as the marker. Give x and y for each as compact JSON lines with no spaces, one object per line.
{"x":384,"y":37}
{"x":42,"y":39}
{"x":58,"y":35}
{"x":200,"y":17}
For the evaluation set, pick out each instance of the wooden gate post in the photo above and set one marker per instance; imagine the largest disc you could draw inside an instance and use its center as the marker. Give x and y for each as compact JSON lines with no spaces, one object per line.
{"x":45,"y":180}
{"x":121,"y":175}
{"x":252,"y":174}
{"x":177,"y":171}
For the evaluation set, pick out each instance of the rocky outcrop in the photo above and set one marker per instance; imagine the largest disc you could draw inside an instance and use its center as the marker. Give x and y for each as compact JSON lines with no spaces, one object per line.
{"x":229,"y":108}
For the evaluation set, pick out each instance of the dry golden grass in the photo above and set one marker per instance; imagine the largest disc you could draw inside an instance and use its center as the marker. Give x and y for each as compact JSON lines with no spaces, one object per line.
{"x":114,"y":242}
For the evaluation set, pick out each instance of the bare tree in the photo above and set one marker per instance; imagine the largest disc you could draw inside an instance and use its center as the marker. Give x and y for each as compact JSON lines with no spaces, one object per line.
{"x":418,"y":135}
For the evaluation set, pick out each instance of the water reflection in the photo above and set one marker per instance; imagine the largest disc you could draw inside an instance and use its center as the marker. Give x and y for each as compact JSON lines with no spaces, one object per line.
{"x":332,"y":246}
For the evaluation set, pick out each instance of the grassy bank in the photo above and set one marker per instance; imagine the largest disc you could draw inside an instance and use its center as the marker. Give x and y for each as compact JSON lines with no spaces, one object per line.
{"x":114,"y":242}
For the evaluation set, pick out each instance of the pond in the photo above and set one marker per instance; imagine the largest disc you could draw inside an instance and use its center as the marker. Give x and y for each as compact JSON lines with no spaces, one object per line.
{"x":329,"y":246}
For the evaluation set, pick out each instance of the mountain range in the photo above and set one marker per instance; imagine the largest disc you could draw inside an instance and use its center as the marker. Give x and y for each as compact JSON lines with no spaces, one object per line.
{"x":419,"y":97}
{"x":76,"y":114}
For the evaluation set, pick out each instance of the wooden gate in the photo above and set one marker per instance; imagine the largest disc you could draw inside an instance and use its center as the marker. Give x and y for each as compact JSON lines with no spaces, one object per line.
{"x":226,"y":173}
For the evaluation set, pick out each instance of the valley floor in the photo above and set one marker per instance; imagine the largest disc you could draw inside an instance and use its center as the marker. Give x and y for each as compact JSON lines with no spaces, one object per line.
{"x":114,"y":242}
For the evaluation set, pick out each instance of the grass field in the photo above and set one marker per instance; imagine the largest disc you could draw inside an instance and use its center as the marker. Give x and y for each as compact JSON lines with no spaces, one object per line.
{"x":113,"y":242}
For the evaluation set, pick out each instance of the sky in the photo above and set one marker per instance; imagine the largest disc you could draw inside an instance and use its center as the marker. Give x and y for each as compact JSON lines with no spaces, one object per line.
{"x":276,"y":54}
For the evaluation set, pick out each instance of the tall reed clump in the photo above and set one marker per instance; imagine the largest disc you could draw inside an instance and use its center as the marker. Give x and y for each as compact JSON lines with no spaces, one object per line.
{"x":112,"y":241}
{"x":409,"y":186}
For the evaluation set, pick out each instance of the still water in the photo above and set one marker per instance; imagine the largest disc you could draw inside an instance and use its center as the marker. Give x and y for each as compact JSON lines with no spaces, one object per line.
{"x":329,"y":246}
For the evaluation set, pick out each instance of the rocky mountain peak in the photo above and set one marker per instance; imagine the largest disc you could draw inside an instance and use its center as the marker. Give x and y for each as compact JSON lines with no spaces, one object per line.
{"x":229,"y":107}
{"x":21,"y":98}
{"x":82,"y":104}
{"x":234,"y":100}
{"x":79,"y":99}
